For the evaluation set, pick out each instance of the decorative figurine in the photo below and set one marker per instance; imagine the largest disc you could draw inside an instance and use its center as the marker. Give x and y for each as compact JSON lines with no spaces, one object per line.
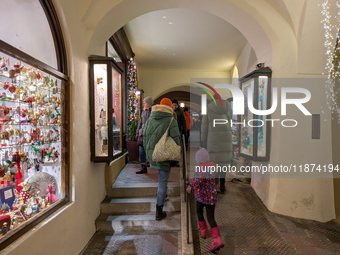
{"x":24,"y":194}
{"x":14,"y":222}
{"x":12,"y":75}
{"x":3,"y":63}
{"x":4,"y":228}
{"x":51,"y":196}
{"x":16,"y":67}
{"x":23,"y":69}
{"x":32,"y":75}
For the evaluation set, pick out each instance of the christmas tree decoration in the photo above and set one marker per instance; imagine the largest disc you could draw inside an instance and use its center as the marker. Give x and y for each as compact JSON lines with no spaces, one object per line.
{"x":132,"y":89}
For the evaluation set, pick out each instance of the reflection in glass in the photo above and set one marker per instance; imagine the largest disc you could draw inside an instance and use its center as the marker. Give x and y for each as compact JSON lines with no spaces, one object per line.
{"x":262,"y":105}
{"x":116,"y":116}
{"x":100,"y":99}
{"x":246,"y":130}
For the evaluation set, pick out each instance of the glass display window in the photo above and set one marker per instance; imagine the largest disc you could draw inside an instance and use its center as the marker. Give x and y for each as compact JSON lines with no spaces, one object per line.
{"x":247,"y":132}
{"x":111,"y":52}
{"x":32,"y":141}
{"x":106,"y":109}
{"x":255,"y":134}
{"x":116,"y":111}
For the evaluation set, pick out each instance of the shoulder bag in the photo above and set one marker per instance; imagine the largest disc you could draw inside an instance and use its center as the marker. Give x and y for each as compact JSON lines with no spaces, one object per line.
{"x":166,"y":149}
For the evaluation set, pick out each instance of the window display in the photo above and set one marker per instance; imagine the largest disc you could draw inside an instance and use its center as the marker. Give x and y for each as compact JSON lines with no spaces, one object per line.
{"x":247,"y":131}
{"x":262,"y":105}
{"x":116,"y":115}
{"x":32,"y":176}
{"x":255,"y":134}
{"x":106,"y":110}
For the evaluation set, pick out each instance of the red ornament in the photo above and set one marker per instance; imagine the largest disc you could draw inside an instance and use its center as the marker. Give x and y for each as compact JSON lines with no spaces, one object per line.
{"x":25,"y":195}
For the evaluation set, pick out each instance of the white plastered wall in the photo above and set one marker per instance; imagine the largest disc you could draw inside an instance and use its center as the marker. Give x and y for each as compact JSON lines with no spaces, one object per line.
{"x":87,"y":25}
{"x":288,"y":196}
{"x":155,"y":82}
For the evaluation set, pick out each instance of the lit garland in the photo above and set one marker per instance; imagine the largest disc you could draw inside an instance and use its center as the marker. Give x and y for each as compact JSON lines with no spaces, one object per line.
{"x":132,"y":89}
{"x":333,"y":55}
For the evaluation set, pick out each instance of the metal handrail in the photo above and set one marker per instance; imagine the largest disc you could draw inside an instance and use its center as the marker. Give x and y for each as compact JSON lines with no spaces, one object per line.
{"x":186,"y":182}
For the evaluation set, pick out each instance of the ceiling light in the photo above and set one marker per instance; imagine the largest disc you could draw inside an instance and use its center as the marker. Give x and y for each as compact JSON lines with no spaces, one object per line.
{"x":174,"y":54}
{"x":182,"y":105}
{"x":164,"y":17}
{"x":170,"y":23}
{"x":164,"y":48}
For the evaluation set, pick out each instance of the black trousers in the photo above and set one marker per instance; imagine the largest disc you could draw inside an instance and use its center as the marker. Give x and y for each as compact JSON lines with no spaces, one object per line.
{"x":187,"y":138}
{"x":221,"y":175}
{"x":210,"y":209}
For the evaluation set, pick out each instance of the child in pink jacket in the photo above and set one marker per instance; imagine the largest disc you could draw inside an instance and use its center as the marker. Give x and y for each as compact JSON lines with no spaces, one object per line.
{"x":206,"y":195}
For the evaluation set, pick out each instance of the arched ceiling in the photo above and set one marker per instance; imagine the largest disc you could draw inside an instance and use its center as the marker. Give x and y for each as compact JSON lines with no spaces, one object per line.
{"x":184,"y":39}
{"x":105,"y":17}
{"x":192,"y":101}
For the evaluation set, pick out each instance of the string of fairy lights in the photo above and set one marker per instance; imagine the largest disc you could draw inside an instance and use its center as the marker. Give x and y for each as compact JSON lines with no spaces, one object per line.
{"x":332,"y":31}
{"x":132,"y":89}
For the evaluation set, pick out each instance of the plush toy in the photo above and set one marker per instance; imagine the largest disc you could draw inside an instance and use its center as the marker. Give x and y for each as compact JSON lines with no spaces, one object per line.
{"x":51,"y":196}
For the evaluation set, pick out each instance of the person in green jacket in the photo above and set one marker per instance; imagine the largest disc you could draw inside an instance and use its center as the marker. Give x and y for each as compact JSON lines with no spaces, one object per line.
{"x":154,"y":129}
{"x":182,"y":124}
{"x":218,"y":140}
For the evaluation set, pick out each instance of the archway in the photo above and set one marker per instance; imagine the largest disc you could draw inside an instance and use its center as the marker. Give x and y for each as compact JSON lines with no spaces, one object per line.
{"x":112,"y":19}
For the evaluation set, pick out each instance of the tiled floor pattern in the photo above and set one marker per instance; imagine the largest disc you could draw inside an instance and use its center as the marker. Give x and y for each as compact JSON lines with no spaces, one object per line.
{"x":309,"y":237}
{"x":247,"y":227}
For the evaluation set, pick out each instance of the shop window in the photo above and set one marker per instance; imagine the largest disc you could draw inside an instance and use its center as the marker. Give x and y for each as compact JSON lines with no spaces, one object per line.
{"x":254,"y":141}
{"x":111,"y":52}
{"x":106,"y":109}
{"x":33,"y":147}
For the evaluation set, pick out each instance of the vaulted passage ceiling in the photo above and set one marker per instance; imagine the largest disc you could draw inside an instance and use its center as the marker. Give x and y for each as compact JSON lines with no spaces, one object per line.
{"x":184,"y":39}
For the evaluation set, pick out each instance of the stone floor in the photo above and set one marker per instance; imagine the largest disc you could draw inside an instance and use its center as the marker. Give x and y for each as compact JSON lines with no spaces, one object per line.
{"x":247,"y":227}
{"x":309,"y":237}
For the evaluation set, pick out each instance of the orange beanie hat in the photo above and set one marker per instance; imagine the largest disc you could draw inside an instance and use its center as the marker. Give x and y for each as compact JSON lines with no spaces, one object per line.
{"x":166,"y":101}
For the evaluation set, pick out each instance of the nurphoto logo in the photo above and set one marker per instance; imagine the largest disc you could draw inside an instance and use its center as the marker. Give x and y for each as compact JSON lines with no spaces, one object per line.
{"x":238,"y":104}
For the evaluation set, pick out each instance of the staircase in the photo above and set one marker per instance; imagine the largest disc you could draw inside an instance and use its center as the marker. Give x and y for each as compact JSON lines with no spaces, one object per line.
{"x":131,"y":207}
{"x":127,"y":223}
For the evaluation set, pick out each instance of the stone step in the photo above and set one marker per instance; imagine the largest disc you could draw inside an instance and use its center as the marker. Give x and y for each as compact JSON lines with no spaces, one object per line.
{"x":137,"y":223}
{"x":131,"y":205}
{"x":126,"y":190}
